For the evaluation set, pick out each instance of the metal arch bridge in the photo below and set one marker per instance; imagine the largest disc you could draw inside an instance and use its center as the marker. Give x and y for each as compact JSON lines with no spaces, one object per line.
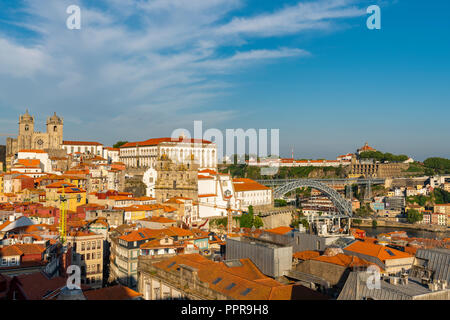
{"x":344,"y":206}
{"x":359,"y":181}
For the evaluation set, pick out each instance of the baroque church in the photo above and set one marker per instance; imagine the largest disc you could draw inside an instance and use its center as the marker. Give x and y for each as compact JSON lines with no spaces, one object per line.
{"x":28,"y":138}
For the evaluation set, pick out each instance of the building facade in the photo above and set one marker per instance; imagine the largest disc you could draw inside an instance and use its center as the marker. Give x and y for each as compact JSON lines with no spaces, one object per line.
{"x":87,"y":253}
{"x":145,"y":154}
{"x":176,"y":179}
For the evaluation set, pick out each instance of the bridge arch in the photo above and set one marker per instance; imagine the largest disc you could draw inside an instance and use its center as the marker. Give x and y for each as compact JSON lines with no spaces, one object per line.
{"x":344,"y":206}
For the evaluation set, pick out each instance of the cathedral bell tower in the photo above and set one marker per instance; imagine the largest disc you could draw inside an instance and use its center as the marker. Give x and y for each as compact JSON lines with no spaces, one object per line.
{"x":26,"y":130}
{"x":55,"y":131}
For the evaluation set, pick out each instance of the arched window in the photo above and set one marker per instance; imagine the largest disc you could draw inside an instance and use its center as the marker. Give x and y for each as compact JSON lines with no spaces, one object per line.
{"x":27,"y":128}
{"x":55,"y":128}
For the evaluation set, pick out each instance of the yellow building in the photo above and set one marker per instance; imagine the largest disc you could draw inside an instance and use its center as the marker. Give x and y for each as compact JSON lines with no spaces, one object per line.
{"x":136,"y":212}
{"x":74,"y":196}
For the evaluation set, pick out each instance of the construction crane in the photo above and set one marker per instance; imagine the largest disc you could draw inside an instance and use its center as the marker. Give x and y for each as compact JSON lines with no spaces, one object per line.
{"x":63,"y":213}
{"x":229,"y":213}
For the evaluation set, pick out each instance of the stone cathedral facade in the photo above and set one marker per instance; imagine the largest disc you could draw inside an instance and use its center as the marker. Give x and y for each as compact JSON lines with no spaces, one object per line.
{"x":28,"y":138}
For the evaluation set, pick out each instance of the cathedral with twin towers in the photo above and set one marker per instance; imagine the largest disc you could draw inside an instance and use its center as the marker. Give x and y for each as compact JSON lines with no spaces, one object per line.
{"x":28,"y":138}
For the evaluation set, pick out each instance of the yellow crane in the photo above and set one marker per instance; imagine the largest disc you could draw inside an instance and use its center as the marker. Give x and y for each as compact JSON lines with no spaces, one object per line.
{"x":63,"y":213}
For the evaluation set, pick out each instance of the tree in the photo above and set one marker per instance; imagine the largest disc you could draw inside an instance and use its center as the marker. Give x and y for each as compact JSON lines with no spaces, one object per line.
{"x":441,"y":196}
{"x":438,"y":165}
{"x":280,"y":203}
{"x":257,"y":222}
{"x":118,"y":144}
{"x":305,"y":223}
{"x":414,"y":216}
{"x":374,"y":223}
{"x":249,"y":220}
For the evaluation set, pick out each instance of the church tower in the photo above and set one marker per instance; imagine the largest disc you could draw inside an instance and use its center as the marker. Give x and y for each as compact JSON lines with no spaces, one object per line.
{"x":26,"y":130}
{"x":55,"y":131}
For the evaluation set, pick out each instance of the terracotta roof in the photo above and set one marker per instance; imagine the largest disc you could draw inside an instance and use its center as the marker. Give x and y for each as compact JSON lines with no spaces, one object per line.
{"x":306,"y":255}
{"x":117,"y":292}
{"x":202,"y":177}
{"x":81,"y":143}
{"x":244,"y":184}
{"x":10,"y":251}
{"x":32,"y":151}
{"x":179,"y":232}
{"x":156,"y":141}
{"x":30,"y":248}
{"x":29,"y":162}
{"x":60,"y":184}
{"x":161,"y":220}
{"x":279,"y":230}
{"x":142,"y":234}
{"x":242,"y":282}
{"x":37,"y":285}
{"x":208,"y":171}
{"x":375,"y":250}
{"x":343,"y":260}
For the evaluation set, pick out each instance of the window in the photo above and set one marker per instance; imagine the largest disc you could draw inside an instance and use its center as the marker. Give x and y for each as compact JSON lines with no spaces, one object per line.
{"x":4,"y":261}
{"x":82,"y":246}
{"x":88,"y":245}
{"x":99,"y":244}
{"x":246,"y":291}
{"x":99,"y":255}
{"x":231,"y":286}
{"x":217,"y":280}
{"x":93,"y":245}
{"x":88,"y":257}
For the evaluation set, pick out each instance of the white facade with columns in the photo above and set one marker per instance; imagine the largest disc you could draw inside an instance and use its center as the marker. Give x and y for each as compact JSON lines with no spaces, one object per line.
{"x":145,"y":154}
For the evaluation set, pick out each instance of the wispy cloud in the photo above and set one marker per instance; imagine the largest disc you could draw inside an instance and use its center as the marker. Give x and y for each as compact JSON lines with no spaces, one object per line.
{"x":144,"y":66}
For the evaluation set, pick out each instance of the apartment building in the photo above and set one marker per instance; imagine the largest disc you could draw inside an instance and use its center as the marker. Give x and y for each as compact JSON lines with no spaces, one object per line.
{"x":194,"y":277}
{"x":87,"y":253}
{"x":126,"y":249}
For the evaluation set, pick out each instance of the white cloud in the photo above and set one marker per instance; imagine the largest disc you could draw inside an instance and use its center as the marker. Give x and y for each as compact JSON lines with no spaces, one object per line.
{"x":292,"y":19}
{"x":19,"y":61}
{"x":148,"y":63}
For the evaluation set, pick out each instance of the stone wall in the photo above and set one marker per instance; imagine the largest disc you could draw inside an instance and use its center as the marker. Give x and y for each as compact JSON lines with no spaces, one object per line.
{"x":276,"y":217}
{"x":336,"y":275}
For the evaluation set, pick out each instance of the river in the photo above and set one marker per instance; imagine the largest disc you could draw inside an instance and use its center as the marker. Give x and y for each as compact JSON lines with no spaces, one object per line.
{"x":373,"y":232}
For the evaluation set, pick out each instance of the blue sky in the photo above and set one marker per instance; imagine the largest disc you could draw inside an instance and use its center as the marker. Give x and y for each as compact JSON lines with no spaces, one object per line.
{"x":142,"y":68}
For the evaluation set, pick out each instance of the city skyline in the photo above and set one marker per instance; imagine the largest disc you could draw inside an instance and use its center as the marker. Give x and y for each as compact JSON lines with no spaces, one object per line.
{"x":139,"y":70}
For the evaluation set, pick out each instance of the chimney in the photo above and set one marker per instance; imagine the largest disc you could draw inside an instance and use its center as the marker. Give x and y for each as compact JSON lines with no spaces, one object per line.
{"x":394,"y":280}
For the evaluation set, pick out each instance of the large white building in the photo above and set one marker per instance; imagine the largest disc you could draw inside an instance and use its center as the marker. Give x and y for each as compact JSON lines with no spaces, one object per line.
{"x":215,"y":190}
{"x":144,"y":154}
{"x":31,"y":154}
{"x":88,"y":147}
{"x":252,"y":193}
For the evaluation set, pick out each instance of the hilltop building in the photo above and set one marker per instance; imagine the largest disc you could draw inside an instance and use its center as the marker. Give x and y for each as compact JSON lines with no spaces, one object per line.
{"x":145,"y":154}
